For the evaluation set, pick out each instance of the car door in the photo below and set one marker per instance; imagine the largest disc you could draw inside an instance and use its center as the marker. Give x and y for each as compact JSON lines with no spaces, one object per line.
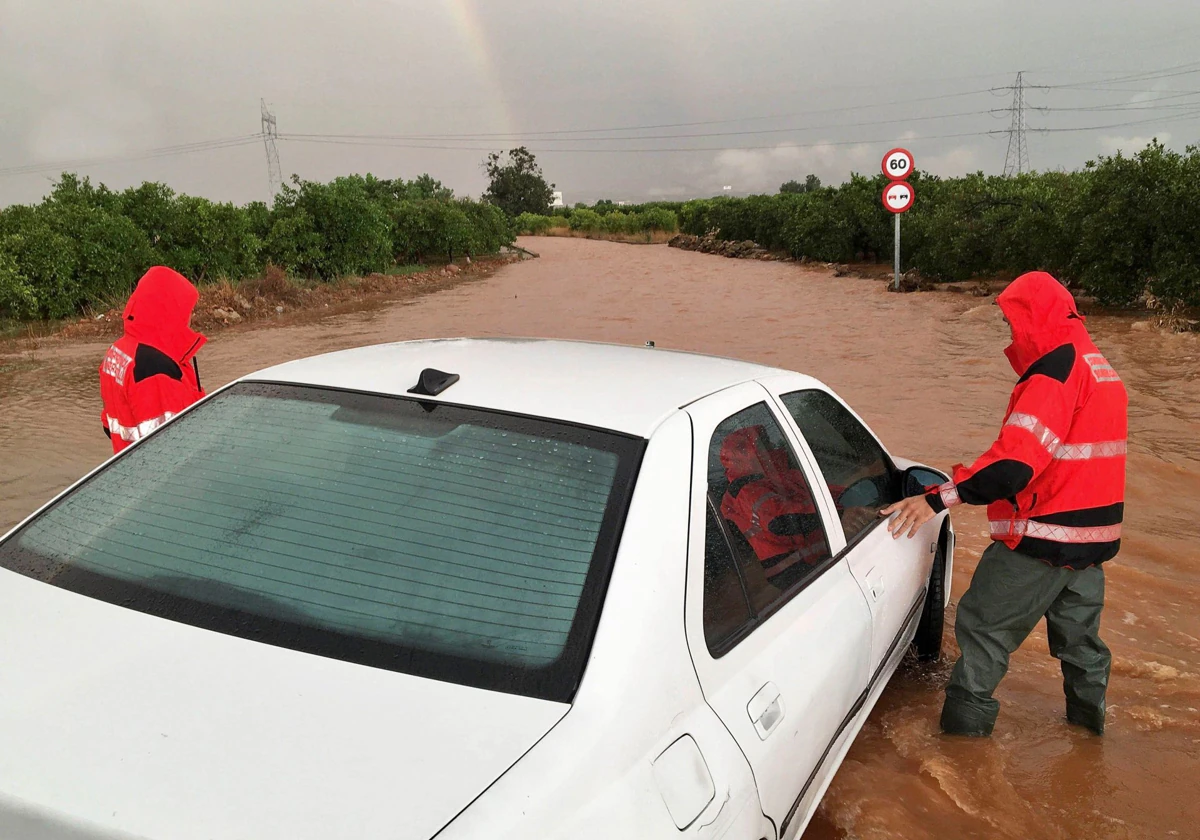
{"x":780,"y":646}
{"x":860,"y":479}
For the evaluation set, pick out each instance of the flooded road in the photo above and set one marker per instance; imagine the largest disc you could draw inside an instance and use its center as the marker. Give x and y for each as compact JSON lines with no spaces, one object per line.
{"x":926,"y":371}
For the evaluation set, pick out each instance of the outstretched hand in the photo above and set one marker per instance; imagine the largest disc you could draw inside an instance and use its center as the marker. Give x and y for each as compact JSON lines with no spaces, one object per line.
{"x":911,"y":513}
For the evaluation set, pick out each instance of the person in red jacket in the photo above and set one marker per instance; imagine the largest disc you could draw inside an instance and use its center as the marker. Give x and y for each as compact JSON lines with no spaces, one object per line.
{"x":1054,"y":486}
{"x":770,"y":504}
{"x":150,"y":374}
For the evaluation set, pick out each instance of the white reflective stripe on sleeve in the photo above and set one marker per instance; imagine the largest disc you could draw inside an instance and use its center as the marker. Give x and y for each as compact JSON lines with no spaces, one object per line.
{"x":949,"y":494}
{"x":132,"y":433}
{"x":1065,"y":451}
{"x":756,"y":526}
{"x":1087,"y":451}
{"x":1035,"y":427}
{"x":1102,"y":371}
{"x":1055,"y":533}
{"x":117,"y":430}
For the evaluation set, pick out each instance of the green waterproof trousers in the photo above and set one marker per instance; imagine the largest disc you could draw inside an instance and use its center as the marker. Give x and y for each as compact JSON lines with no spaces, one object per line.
{"x":1008,"y":595}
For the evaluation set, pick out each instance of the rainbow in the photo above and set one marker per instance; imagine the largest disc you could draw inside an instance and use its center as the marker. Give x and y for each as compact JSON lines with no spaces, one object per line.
{"x":470,"y":28}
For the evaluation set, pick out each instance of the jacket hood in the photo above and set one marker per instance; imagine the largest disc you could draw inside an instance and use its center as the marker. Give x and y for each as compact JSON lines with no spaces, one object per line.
{"x":1042,"y":314}
{"x":744,"y":454}
{"x":158,"y":312}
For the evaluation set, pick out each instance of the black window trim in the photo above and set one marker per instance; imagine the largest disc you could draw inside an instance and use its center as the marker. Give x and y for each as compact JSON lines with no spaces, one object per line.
{"x":560,"y":686}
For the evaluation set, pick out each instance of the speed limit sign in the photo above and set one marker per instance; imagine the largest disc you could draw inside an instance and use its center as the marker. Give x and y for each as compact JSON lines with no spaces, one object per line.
{"x":898,"y":196}
{"x":898,"y":164}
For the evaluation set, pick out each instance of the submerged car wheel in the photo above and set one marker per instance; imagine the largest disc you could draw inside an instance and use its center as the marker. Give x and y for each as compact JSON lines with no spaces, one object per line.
{"x":928,"y":640}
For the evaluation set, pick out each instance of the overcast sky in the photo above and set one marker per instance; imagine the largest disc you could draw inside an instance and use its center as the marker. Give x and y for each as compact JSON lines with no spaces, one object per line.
{"x":773,"y":90}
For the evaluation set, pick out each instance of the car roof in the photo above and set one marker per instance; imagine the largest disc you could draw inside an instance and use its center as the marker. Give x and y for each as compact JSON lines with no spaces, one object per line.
{"x":629,"y":389}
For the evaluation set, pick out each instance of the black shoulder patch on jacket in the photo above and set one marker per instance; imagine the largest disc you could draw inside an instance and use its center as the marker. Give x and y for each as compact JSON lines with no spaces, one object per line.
{"x":1056,"y":364}
{"x":996,"y":481}
{"x":150,"y":361}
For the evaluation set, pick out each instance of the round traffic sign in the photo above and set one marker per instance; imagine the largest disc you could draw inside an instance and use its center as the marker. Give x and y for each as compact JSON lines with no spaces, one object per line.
{"x":898,"y":164}
{"x":898,"y":196}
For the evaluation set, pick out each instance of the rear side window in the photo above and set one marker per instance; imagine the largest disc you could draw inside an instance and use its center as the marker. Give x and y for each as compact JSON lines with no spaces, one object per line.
{"x":726,"y":605}
{"x":451,"y":543}
{"x":763,"y":536}
{"x":859,"y":474}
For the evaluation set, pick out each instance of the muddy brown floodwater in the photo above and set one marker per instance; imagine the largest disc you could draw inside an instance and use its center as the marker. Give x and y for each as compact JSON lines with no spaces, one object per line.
{"x":927,"y":373}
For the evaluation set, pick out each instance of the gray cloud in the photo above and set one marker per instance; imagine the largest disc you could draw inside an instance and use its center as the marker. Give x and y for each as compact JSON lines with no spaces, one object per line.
{"x":111,"y":78}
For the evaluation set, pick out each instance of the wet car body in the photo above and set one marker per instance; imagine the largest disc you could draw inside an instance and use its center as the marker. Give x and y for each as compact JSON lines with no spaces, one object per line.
{"x":458,"y":589}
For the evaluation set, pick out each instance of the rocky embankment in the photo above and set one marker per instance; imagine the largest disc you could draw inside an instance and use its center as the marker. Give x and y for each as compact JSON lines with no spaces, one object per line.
{"x":744,"y":249}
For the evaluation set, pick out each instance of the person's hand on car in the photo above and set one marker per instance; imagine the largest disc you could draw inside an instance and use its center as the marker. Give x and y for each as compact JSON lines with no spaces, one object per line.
{"x":911,"y":513}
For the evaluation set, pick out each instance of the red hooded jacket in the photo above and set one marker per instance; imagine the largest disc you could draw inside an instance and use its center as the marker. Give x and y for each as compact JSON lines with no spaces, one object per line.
{"x":150,"y":374}
{"x":770,"y":503}
{"x":1054,"y":480}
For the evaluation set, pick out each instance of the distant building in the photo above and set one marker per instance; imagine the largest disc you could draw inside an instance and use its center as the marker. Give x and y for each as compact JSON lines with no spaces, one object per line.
{"x":556,"y":199}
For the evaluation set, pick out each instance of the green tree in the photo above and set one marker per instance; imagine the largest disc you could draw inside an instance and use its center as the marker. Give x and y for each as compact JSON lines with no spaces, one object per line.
{"x":517,"y":186}
{"x":586,"y":220}
{"x":426,"y":186}
{"x":811,"y":183}
{"x":152,"y":207}
{"x":1139,"y":226}
{"x":17,"y":296}
{"x":330,"y":230}
{"x":532,"y":224}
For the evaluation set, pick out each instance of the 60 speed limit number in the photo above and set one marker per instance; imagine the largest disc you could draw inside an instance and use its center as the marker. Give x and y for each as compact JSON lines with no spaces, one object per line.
{"x":898,"y":164}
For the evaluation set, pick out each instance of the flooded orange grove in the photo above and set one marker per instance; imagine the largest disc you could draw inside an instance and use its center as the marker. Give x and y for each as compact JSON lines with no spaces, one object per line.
{"x":926,"y":371}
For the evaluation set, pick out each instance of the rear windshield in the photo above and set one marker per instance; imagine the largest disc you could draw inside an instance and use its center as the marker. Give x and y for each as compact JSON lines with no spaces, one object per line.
{"x":445,"y":542}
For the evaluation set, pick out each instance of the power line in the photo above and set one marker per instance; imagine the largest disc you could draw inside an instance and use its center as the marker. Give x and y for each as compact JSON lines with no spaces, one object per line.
{"x":1016,"y":159}
{"x":1137,"y":105}
{"x":369,"y":141}
{"x":449,"y":138}
{"x":1173,"y":118}
{"x":1093,"y":109}
{"x":546,"y":134}
{"x":463,"y":138}
{"x":1188,"y":69}
{"x":552,"y":134}
{"x":1137,"y":90}
{"x":352,"y":140}
{"x":148,"y":154}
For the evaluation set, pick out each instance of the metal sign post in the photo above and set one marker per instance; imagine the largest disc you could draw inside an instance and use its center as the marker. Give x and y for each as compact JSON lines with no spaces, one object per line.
{"x":897,"y":280}
{"x":898,"y":194}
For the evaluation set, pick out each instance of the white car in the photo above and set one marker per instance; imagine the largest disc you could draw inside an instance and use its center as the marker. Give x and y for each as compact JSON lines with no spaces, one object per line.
{"x":463,"y":589}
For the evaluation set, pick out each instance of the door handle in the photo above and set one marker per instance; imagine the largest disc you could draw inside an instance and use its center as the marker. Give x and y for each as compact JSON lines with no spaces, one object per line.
{"x":874,"y":581}
{"x":766,"y":710}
